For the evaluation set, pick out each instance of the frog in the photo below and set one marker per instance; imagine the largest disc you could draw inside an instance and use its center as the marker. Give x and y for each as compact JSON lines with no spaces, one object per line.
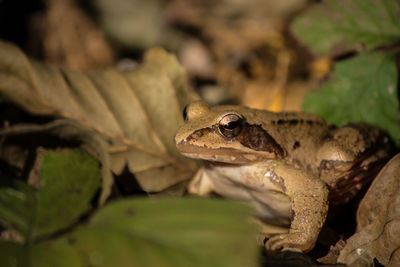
{"x":290,"y":166}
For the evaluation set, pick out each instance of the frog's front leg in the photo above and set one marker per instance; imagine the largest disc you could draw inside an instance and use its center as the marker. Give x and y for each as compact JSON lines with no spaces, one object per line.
{"x":201,"y":184}
{"x":308,"y":196}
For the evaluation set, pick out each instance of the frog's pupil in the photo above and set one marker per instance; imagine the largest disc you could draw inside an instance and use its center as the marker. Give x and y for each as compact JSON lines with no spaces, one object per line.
{"x":232,"y":125}
{"x":184,"y":114}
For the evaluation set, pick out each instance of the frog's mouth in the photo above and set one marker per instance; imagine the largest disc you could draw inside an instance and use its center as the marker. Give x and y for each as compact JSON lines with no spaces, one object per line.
{"x":225,"y":155}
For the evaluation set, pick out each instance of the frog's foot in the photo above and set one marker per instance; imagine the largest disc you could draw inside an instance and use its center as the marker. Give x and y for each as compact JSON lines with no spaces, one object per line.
{"x":295,"y":241}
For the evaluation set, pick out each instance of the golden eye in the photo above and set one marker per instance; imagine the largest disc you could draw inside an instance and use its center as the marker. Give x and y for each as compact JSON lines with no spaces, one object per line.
{"x":230,"y":125}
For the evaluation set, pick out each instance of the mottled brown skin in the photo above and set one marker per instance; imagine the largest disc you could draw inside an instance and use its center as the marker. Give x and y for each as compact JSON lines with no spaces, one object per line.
{"x":288,"y":165}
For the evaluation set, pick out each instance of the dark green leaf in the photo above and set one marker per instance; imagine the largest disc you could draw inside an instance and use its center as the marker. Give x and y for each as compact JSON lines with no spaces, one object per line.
{"x":68,"y":181}
{"x":360,"y":89}
{"x":41,"y":255}
{"x":12,"y":255}
{"x":160,"y":232}
{"x":334,"y":26}
{"x":16,"y":206}
{"x":170,"y":232}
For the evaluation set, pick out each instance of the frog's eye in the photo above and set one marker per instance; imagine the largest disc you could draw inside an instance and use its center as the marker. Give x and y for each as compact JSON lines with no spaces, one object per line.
{"x":230,"y":125}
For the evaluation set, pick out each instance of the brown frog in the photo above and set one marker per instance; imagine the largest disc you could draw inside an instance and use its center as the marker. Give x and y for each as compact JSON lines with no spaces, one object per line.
{"x":290,"y":166}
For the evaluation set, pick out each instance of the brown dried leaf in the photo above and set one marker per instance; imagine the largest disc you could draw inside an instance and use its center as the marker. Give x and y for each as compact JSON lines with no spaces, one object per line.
{"x":136,"y":112}
{"x":378,"y":221}
{"x":69,"y":37}
{"x":333,"y":253}
{"x":72,"y":39}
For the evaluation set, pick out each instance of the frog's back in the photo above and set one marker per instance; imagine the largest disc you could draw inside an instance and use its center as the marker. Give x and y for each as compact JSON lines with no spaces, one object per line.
{"x":345,"y":158}
{"x":299,"y":134}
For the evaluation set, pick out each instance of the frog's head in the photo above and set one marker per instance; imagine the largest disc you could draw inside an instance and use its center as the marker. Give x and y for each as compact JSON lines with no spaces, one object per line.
{"x":224,"y":134}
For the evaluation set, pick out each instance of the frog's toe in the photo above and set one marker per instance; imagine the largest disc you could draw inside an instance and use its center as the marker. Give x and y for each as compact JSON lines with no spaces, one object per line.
{"x":298,"y":241}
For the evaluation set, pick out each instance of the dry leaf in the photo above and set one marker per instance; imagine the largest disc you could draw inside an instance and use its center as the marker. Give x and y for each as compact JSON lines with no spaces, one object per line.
{"x":69,"y":37}
{"x":378,"y":221}
{"x":136,"y":112}
{"x":333,"y":253}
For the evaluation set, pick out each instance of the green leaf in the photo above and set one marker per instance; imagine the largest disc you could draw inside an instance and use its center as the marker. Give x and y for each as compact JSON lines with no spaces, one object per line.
{"x":12,"y":255}
{"x":361,"y":89}
{"x":40,"y":255}
{"x":161,"y":232}
{"x":16,"y":205}
{"x":68,"y":180}
{"x":335,"y":26}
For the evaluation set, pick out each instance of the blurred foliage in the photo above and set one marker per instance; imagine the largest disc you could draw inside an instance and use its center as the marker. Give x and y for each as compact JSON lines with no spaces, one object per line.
{"x":70,"y":38}
{"x":135,"y":24}
{"x":230,"y":51}
{"x":149,"y":232}
{"x":338,"y":26}
{"x":363,"y":87}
